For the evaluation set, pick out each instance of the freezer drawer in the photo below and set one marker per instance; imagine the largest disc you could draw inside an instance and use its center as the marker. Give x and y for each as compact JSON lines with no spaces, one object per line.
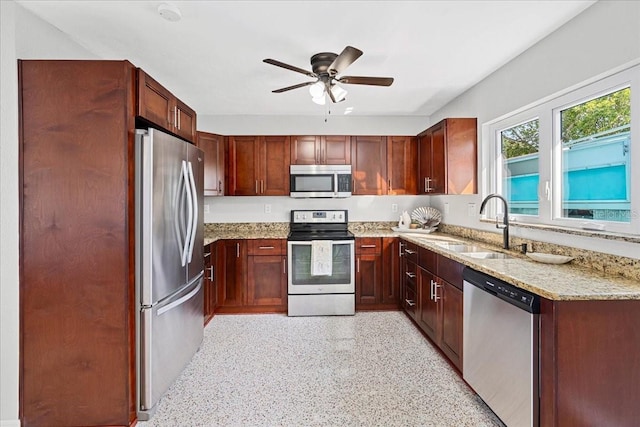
{"x":170,"y":334}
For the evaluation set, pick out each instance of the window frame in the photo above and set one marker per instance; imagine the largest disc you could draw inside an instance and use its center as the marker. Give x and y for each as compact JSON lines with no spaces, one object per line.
{"x":547,"y":111}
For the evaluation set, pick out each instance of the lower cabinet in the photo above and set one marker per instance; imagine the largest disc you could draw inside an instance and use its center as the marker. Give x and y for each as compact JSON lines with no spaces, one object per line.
{"x":210,"y":292}
{"x":433,"y":298}
{"x":251,"y":276}
{"x":377,"y":278}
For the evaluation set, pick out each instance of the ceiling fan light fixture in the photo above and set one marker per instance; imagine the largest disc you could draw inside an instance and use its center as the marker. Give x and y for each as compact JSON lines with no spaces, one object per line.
{"x":317,"y":89}
{"x":338,"y":93}
{"x":320,"y":100}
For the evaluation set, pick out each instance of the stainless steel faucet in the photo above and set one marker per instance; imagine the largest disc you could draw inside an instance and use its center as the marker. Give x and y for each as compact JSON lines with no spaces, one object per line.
{"x":505,"y":223}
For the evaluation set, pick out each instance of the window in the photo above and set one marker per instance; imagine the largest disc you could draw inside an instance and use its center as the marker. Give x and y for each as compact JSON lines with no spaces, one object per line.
{"x":568,"y":160}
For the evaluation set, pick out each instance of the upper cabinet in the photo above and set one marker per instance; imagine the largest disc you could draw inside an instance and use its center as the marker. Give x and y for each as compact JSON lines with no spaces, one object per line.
{"x":369,"y":165}
{"x":213,"y":147}
{"x":402,"y":165}
{"x":447,"y":161}
{"x":258,"y":165}
{"x":160,"y":107}
{"x":320,"y":150}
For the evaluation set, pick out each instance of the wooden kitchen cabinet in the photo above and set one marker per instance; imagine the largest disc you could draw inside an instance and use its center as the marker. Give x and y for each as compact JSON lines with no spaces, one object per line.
{"x":231,"y":259}
{"x":213,"y":147}
{"x":320,"y":150}
{"x":447,"y":154}
{"x":210,"y":293}
{"x":409,"y":284}
{"x":368,"y":272}
{"x":258,"y":165}
{"x":267,"y":274}
{"x":402,"y":165}
{"x":159,"y":106}
{"x":391,"y":273}
{"x":369,"y":165}
{"x":589,"y":363}
{"x":77,"y":243}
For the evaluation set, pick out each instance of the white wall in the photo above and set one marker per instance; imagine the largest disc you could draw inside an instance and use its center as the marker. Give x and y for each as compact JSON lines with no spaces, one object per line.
{"x":602,"y":38}
{"x":22,"y":36}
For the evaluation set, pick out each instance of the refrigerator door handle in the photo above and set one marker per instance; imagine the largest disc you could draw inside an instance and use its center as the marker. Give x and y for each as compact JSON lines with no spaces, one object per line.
{"x":187,"y":237}
{"x":180,"y":300}
{"x":194,"y":210}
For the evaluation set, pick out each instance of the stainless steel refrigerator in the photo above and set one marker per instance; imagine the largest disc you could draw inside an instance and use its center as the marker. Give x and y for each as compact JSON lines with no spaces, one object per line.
{"x":169,"y":261}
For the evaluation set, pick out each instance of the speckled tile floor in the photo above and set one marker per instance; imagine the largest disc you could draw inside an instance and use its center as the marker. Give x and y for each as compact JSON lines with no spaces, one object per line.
{"x":371,"y":369}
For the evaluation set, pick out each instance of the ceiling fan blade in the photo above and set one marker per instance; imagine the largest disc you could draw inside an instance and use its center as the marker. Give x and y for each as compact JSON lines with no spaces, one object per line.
{"x":342,"y":61}
{"x":373,"y":81}
{"x":289,"y":67}
{"x":284,"y":89}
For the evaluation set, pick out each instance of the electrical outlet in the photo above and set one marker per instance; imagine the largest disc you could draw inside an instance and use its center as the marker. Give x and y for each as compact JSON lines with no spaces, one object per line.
{"x":267,"y":208}
{"x":394,"y":207}
{"x":472,"y":209}
{"x":206,"y":208}
{"x":446,"y":208}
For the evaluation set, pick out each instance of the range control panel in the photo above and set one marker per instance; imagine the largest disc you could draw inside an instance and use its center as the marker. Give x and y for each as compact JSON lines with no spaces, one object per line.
{"x":319,"y":217}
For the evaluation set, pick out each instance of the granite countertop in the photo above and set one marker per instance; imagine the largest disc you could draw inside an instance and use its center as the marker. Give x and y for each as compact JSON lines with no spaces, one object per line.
{"x":554,"y":282}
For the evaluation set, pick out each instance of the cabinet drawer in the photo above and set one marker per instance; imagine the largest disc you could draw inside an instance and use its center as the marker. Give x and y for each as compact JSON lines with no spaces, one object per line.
{"x":409,"y":251}
{"x":369,"y":245}
{"x":410,"y":275}
{"x":410,"y":301}
{"x":427,"y":259}
{"x":450,"y":271}
{"x":267,"y":247}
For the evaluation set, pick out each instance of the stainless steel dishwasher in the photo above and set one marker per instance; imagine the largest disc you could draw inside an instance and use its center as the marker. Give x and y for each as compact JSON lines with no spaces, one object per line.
{"x":500,"y":342}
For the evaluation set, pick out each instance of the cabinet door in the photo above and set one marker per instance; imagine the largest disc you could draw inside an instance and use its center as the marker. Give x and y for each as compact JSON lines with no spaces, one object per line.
{"x":305,"y":150}
{"x":368,"y":280}
{"x":335,"y":150}
{"x":451,"y":338}
{"x":230,"y":280}
{"x":274,"y":165}
{"x":267,"y":280}
{"x":244,"y":165}
{"x":213,"y":147}
{"x":155,"y":102}
{"x":424,"y":162}
{"x":369,"y":164}
{"x":461,"y":146}
{"x":402,"y":164}
{"x":427,"y":306}
{"x":210,"y":295}
{"x":185,"y":121}
{"x":391,"y":275}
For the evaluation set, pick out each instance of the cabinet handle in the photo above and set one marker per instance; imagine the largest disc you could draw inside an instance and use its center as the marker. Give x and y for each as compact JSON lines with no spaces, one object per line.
{"x":237,"y":250}
{"x":178,"y":117}
{"x":409,"y":251}
{"x":358,"y":266}
{"x":427,"y":184}
{"x":431,"y":290}
{"x":322,"y":156}
{"x":318,"y":156}
{"x":367,"y":246}
{"x":400,"y":249}
{"x":175,"y":117}
{"x":257,"y":187}
{"x":284,"y":265}
{"x":262,"y":186}
{"x":210,"y":273}
{"x":219,"y":186}
{"x":410,"y":303}
{"x":207,"y":254}
{"x":390,"y":188}
{"x":265,"y":247}
{"x":410,"y":274}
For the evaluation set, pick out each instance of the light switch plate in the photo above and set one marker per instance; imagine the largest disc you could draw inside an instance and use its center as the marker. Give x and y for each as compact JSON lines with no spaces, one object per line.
{"x":472,"y":209}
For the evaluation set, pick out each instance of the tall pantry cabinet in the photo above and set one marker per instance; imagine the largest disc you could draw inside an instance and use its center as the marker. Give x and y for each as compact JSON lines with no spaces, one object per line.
{"x":77,"y":247}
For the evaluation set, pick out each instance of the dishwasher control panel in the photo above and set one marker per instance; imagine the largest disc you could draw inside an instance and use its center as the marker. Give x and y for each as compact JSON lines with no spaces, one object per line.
{"x":506,"y":291}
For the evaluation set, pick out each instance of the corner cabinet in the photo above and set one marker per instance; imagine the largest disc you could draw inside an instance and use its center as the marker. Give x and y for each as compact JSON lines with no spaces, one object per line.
{"x":213,"y":147}
{"x":320,"y":150}
{"x":258,"y":165}
{"x":447,"y":154}
{"x":160,"y":107}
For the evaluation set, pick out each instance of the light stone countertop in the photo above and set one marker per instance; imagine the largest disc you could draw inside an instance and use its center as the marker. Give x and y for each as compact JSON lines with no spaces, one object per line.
{"x":554,"y":282}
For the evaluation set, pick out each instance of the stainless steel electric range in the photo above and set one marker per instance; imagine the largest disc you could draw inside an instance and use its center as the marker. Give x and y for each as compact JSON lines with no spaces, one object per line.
{"x":324,"y":293}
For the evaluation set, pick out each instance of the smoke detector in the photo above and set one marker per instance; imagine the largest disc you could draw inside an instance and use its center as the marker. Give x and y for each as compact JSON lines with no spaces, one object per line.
{"x":169,"y":11}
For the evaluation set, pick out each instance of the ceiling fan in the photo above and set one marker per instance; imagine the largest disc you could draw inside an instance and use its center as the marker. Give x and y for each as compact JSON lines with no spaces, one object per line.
{"x":325,"y":68}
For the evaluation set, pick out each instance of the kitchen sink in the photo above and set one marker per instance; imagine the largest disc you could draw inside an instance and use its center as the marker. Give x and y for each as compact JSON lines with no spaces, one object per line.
{"x":460,"y":247}
{"x":486,"y":255}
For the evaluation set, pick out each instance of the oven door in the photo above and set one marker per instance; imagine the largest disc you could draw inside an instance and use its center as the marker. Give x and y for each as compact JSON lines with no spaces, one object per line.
{"x":302,"y":282}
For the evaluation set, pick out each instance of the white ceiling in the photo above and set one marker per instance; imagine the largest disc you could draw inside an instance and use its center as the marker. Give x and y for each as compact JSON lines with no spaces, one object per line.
{"x":212,"y":57}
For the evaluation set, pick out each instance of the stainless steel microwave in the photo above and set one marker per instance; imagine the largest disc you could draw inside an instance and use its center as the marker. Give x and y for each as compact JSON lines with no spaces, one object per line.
{"x":320,"y":180}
